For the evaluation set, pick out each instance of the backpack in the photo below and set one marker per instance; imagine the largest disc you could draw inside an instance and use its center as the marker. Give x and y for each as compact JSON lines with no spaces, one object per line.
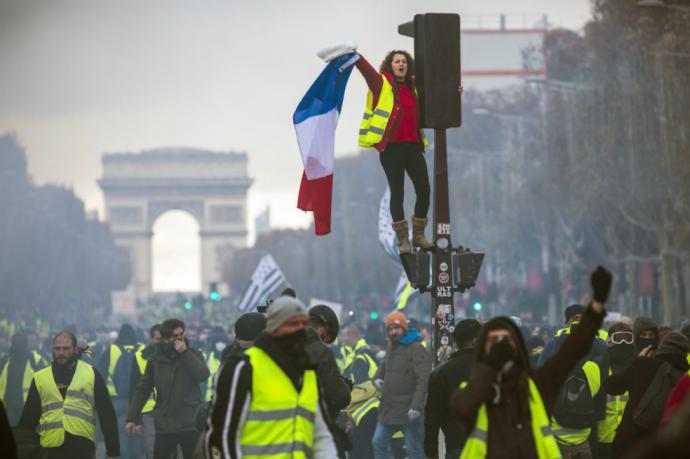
{"x":647,"y":414}
{"x":123,"y":370}
{"x":574,"y":406}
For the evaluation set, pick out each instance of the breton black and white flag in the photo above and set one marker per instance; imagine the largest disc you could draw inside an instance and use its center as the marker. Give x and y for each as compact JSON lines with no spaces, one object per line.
{"x":403,"y":291}
{"x":266,"y":278}
{"x":387,"y":237}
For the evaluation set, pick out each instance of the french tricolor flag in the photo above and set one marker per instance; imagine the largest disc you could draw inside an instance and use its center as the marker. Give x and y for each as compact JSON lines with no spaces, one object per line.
{"x":315,"y":120}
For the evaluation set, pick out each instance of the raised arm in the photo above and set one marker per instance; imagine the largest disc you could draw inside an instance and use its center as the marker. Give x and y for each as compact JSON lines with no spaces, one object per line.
{"x":371,"y":76}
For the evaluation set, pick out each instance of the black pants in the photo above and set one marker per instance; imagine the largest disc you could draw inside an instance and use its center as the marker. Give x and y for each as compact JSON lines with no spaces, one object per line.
{"x":397,"y":158}
{"x":364,"y":433}
{"x":166,"y":444}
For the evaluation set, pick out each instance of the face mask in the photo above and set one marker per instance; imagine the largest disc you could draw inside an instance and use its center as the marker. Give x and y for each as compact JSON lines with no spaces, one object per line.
{"x":292,"y":343}
{"x":621,"y":353}
{"x":642,"y":343}
{"x":220,"y":346}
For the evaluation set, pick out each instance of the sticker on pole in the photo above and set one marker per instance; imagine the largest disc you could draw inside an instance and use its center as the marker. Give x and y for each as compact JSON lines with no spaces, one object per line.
{"x":443,"y":266}
{"x":444,"y":292}
{"x":443,"y":229}
{"x":443,"y":278}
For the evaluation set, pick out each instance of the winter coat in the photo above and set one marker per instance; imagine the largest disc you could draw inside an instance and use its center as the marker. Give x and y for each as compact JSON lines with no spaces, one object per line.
{"x":443,"y":382}
{"x":506,"y":419}
{"x":176,"y":378}
{"x":405,"y":372}
{"x":334,"y":385}
{"x":635,"y":379}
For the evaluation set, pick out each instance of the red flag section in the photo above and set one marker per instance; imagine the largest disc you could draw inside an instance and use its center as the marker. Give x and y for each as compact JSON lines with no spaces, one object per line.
{"x":316,"y":196}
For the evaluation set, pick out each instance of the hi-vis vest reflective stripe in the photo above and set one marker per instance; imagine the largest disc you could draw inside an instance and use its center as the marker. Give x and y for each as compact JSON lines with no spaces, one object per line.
{"x":569,"y":436}
{"x":213,"y":364}
{"x":141,"y":363}
{"x":544,"y":441}
{"x":115,"y":353}
{"x":367,"y":406}
{"x":361,"y":354}
{"x":615,"y":405}
{"x":601,"y":334}
{"x":375,"y":119}
{"x":34,"y":361}
{"x":279,"y":422}
{"x":75,"y":414}
{"x":341,"y":352}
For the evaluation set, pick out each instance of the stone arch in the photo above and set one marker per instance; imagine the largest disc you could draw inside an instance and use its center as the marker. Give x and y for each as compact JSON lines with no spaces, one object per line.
{"x":211,"y":186}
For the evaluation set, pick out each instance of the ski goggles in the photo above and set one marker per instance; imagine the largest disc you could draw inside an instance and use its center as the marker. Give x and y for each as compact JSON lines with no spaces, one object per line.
{"x":621,"y":337}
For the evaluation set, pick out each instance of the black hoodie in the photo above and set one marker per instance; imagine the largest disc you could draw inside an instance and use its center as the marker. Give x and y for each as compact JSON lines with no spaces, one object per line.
{"x":510,"y":435}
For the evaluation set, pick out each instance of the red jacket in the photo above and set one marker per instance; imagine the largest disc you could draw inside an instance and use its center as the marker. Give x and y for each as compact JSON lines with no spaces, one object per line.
{"x":394,"y":130}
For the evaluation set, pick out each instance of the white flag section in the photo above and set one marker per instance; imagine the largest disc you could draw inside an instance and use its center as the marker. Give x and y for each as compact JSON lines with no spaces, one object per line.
{"x":403,"y":291}
{"x":386,"y":234}
{"x":266,"y":278}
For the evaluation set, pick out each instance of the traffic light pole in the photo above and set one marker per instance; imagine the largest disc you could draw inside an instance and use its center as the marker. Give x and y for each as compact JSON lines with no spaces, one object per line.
{"x":442,"y":308}
{"x":437,"y":56}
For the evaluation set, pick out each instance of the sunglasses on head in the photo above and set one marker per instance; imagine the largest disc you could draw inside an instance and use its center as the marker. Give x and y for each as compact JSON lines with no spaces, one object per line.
{"x":621,"y":337}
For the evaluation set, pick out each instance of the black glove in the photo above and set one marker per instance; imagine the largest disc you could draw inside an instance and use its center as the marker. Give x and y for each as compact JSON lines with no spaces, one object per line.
{"x":501,"y":353}
{"x":601,"y":284}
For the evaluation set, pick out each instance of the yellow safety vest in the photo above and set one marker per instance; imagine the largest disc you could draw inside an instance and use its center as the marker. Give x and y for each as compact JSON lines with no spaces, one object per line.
{"x":363,"y":355}
{"x":141,"y":363}
{"x":28,"y":374}
{"x":280,"y":421}
{"x":115,"y":353}
{"x":615,"y":406}
{"x":76,"y":413}
{"x":544,"y":441}
{"x":344,"y":355}
{"x":360,"y":412}
{"x":213,"y":364}
{"x":567,"y":435}
{"x":601,"y":334}
{"x":375,"y":119}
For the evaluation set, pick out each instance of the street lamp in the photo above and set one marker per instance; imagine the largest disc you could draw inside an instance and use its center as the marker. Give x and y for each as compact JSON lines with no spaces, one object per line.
{"x":662,"y":4}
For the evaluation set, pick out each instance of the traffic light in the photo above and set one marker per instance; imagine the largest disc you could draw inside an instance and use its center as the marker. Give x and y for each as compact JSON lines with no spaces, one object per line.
{"x":213,"y":289}
{"x":437,"y":62}
{"x":477,"y":306}
{"x":188,"y":305}
{"x":374,"y":315}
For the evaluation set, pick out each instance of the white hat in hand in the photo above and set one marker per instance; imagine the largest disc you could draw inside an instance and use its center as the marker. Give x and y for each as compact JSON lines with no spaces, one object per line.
{"x":332,"y":52}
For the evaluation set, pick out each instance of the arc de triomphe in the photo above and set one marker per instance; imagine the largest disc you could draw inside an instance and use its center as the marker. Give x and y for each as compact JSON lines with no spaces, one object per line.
{"x":211,"y":186}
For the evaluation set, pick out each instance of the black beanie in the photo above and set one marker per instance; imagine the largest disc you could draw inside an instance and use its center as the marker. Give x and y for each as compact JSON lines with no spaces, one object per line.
{"x":249,"y":326}
{"x":573,"y":310}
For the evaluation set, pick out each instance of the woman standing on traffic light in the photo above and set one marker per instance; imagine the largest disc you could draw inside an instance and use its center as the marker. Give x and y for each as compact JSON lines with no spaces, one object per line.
{"x":391,"y":124}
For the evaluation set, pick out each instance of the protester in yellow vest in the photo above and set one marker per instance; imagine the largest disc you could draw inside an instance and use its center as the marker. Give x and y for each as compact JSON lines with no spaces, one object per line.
{"x":391,"y":124}
{"x":506,"y":405}
{"x":63,"y":402}
{"x":621,"y":352}
{"x":16,"y":374}
{"x":267,"y":402}
{"x":361,"y":367}
{"x":148,"y":431}
{"x":117,"y":365}
{"x":218,"y":340}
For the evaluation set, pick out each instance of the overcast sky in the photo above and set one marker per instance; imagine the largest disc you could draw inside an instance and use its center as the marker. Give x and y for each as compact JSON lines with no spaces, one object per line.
{"x":79,"y":78}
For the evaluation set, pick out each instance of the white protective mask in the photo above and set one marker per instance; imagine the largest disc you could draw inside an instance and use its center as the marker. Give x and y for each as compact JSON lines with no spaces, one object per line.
{"x":220,"y":346}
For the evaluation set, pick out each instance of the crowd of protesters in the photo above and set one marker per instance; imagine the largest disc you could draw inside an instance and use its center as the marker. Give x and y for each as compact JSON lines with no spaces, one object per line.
{"x":296,"y":382}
